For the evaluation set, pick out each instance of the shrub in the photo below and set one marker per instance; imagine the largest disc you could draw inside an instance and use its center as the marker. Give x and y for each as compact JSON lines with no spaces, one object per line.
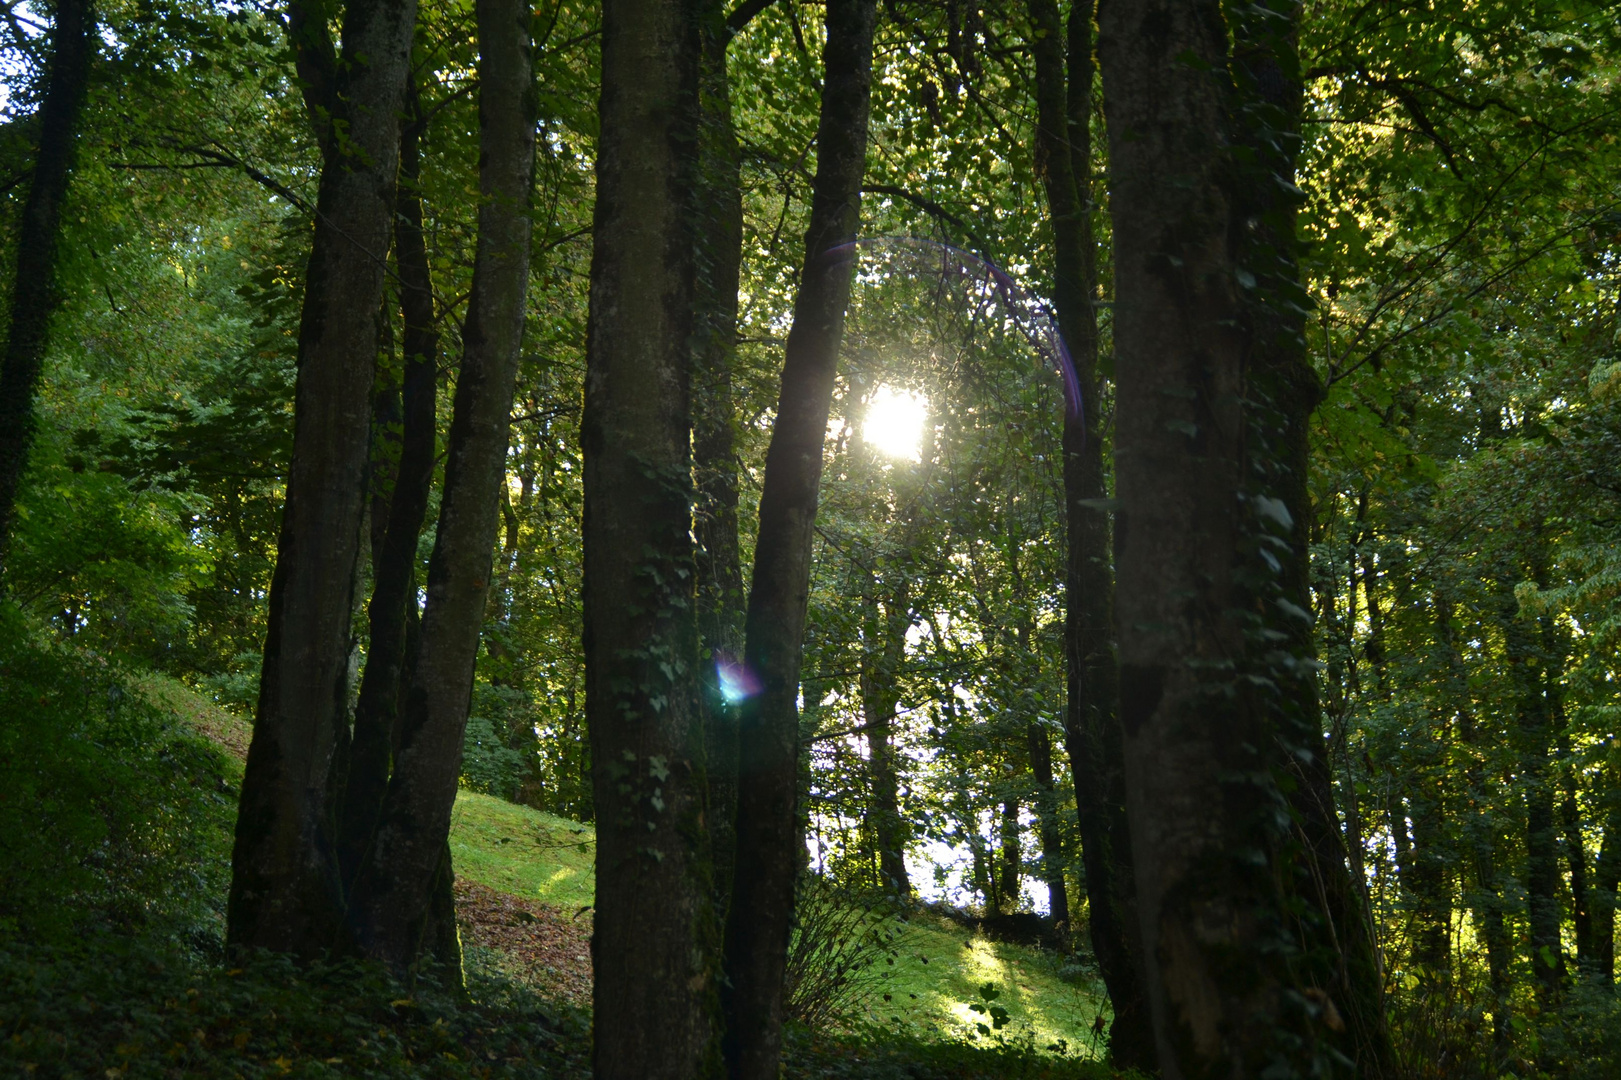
{"x":839,"y":938}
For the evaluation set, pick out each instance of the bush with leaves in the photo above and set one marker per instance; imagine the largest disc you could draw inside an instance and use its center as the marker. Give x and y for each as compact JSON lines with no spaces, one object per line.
{"x":833,"y":962}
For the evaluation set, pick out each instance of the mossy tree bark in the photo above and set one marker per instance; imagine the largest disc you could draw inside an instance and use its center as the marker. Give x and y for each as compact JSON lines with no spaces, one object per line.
{"x":1338,"y":959}
{"x":654,"y":943}
{"x":285,"y":889}
{"x":394,"y":566}
{"x":1064,"y":73}
{"x":1211,"y":661}
{"x":770,"y":849}
{"x":395,"y":905}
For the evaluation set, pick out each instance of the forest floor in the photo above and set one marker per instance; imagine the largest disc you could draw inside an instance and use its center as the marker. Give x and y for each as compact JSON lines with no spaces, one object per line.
{"x":116,"y":974}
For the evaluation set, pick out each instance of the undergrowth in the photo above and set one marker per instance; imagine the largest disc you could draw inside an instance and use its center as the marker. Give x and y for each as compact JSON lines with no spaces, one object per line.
{"x":115,"y":834}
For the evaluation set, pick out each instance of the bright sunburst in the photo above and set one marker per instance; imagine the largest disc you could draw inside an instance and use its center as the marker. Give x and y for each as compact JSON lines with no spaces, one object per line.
{"x":894,"y":423}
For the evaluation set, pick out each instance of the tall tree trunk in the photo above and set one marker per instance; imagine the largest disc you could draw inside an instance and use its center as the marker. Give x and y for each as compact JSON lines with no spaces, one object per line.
{"x":1432,"y":947}
{"x":880,"y":700}
{"x":1092,"y":724}
{"x":1581,"y":902}
{"x":1606,"y":877}
{"x":390,"y":909}
{"x":1527,"y":665}
{"x":1479,"y":835}
{"x":769,"y":846}
{"x":285,"y":888}
{"x":1339,"y":960}
{"x":1211,"y":720}
{"x":394,"y":565}
{"x":34,"y":295}
{"x":654,"y":930}
{"x":1038,"y":744}
{"x":719,"y":212}
{"x":1011,"y":862}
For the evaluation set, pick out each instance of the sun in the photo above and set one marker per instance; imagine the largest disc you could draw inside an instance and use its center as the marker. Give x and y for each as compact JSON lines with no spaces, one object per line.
{"x":894,"y":423}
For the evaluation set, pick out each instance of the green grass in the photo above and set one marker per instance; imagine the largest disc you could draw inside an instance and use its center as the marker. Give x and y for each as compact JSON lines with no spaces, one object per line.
{"x":526,"y":853}
{"x":117,"y":829}
{"x":1052,"y":1003}
{"x":523,"y":852}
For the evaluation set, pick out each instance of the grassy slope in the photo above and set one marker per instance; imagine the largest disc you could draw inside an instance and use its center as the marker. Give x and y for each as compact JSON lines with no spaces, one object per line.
{"x":937,"y":970}
{"x":537,"y":856}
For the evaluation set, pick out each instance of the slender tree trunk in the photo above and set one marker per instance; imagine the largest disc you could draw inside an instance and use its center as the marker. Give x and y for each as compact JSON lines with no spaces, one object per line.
{"x":34,"y":295}
{"x":1479,"y":836}
{"x":1039,"y":746}
{"x":1581,"y":904}
{"x":1339,"y":964}
{"x":653,"y":947}
{"x":394,"y":565}
{"x":1606,"y":876}
{"x":1011,"y":861}
{"x":389,"y":908}
{"x":1542,"y":878}
{"x":285,"y":888}
{"x":1092,"y":725}
{"x":769,"y":846}
{"x":1432,"y":948}
{"x":880,"y":699}
{"x":714,"y":457}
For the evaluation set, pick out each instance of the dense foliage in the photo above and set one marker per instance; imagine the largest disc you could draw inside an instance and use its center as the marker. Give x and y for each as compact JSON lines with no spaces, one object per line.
{"x":1461,"y":226}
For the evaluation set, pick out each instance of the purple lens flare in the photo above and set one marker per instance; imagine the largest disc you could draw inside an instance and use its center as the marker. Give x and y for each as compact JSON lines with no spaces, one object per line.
{"x":737,"y":682}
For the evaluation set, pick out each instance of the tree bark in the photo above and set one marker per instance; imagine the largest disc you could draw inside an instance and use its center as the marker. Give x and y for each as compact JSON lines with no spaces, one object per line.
{"x":1092,"y":724}
{"x":880,"y":699}
{"x":389,"y":908}
{"x":1011,"y":859}
{"x":1479,"y":837}
{"x":769,"y":845}
{"x":1038,"y":745}
{"x":653,"y":946}
{"x":1606,"y":877}
{"x":34,"y":295}
{"x":1216,"y":696}
{"x":1581,"y":904}
{"x":719,"y":213}
{"x":394,"y":566}
{"x":285,"y":888}
{"x":1527,"y":665}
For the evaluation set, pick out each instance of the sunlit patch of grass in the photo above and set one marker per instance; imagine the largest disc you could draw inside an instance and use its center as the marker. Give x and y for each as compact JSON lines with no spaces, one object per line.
{"x":523,"y":852}
{"x":939,"y":970}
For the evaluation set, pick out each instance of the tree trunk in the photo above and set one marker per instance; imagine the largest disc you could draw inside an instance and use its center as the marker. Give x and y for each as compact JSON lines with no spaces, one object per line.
{"x":1542,"y":878}
{"x":1432,"y":948}
{"x":389,"y":909}
{"x":1039,"y":746}
{"x":1339,"y":964}
{"x":769,"y":844}
{"x":1215,"y":702}
{"x":1479,"y":837}
{"x":653,"y":946}
{"x":1092,"y":725}
{"x":1581,"y":904}
{"x":1606,"y":876}
{"x":34,"y":295}
{"x":880,"y":699}
{"x":1011,"y":861}
{"x":714,"y":456}
{"x":394,"y":565}
{"x":285,"y":888}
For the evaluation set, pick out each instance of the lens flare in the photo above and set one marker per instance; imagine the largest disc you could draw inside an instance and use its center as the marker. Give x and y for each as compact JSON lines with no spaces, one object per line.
{"x":737,"y":682}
